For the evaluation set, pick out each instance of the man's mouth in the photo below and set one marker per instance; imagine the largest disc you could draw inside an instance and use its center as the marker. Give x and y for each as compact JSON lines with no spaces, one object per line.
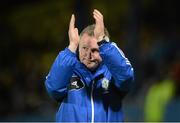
{"x":91,"y":61}
{"x":94,"y":62}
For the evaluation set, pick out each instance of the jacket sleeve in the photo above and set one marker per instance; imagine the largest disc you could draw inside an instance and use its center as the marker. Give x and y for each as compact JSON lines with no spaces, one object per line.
{"x":118,"y":65}
{"x":60,"y":74}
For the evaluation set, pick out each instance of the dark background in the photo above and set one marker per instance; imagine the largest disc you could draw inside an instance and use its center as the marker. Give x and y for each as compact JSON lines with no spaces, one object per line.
{"x":32,"y":32}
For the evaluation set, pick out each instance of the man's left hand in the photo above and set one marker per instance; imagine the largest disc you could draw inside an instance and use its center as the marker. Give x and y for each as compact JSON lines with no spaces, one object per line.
{"x":99,"y":25}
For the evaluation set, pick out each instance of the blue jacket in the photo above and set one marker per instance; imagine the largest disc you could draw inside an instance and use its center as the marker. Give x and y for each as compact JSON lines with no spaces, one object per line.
{"x":87,"y":96}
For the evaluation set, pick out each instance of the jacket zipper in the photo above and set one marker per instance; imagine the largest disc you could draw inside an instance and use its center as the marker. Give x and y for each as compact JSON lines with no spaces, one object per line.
{"x":92,"y":103}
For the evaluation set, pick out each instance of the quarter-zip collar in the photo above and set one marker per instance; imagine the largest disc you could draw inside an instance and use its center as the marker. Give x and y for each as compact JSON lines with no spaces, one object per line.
{"x":89,"y":76}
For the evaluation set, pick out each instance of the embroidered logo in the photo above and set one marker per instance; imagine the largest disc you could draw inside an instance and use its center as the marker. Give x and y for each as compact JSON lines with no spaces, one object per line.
{"x":105,"y":84}
{"x":75,"y":84}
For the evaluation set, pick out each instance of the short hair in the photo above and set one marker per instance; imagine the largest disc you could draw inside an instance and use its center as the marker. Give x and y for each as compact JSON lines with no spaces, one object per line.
{"x":90,"y":31}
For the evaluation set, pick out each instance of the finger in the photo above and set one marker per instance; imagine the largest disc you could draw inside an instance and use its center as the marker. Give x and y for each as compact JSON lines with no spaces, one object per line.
{"x":77,"y":34}
{"x":98,"y":12}
{"x":76,"y":31}
{"x":97,"y":19}
{"x":97,"y":15}
{"x":72,"y":21}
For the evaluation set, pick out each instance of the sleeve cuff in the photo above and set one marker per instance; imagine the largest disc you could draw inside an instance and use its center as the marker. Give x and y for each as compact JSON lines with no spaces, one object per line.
{"x":102,"y":43}
{"x":69,"y":52}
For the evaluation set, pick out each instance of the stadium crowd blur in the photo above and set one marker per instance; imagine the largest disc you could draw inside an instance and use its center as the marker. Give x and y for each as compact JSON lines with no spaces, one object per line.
{"x":32,"y":32}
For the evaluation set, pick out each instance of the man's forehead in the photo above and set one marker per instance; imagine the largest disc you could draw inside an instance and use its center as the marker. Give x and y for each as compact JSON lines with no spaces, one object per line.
{"x":87,"y":40}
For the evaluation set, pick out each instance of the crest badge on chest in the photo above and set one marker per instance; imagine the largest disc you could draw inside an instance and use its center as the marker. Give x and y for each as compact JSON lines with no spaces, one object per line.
{"x":105,"y":84}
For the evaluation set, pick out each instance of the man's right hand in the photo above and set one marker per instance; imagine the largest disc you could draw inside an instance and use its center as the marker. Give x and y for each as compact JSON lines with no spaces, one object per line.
{"x":73,"y":35}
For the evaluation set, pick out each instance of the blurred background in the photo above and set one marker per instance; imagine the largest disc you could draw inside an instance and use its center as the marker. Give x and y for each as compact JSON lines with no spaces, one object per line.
{"x":32,"y":32}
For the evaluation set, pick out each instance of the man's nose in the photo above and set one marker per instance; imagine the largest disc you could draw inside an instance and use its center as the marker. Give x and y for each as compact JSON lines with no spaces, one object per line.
{"x":89,"y":55}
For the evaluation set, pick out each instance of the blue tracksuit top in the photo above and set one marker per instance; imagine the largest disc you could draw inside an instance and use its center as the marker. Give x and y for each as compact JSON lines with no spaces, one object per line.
{"x":90,"y":97}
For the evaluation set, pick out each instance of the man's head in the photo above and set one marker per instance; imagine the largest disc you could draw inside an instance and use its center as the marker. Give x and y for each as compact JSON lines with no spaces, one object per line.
{"x":89,"y":49}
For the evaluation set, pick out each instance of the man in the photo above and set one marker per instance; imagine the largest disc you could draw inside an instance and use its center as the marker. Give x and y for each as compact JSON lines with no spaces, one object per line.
{"x":90,"y":77}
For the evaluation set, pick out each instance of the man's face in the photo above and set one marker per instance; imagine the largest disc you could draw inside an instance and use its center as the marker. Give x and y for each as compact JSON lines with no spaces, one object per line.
{"x":89,"y":52}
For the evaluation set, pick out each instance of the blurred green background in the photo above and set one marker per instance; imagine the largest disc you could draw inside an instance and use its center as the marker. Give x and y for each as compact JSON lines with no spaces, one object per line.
{"x":33,"y":32}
